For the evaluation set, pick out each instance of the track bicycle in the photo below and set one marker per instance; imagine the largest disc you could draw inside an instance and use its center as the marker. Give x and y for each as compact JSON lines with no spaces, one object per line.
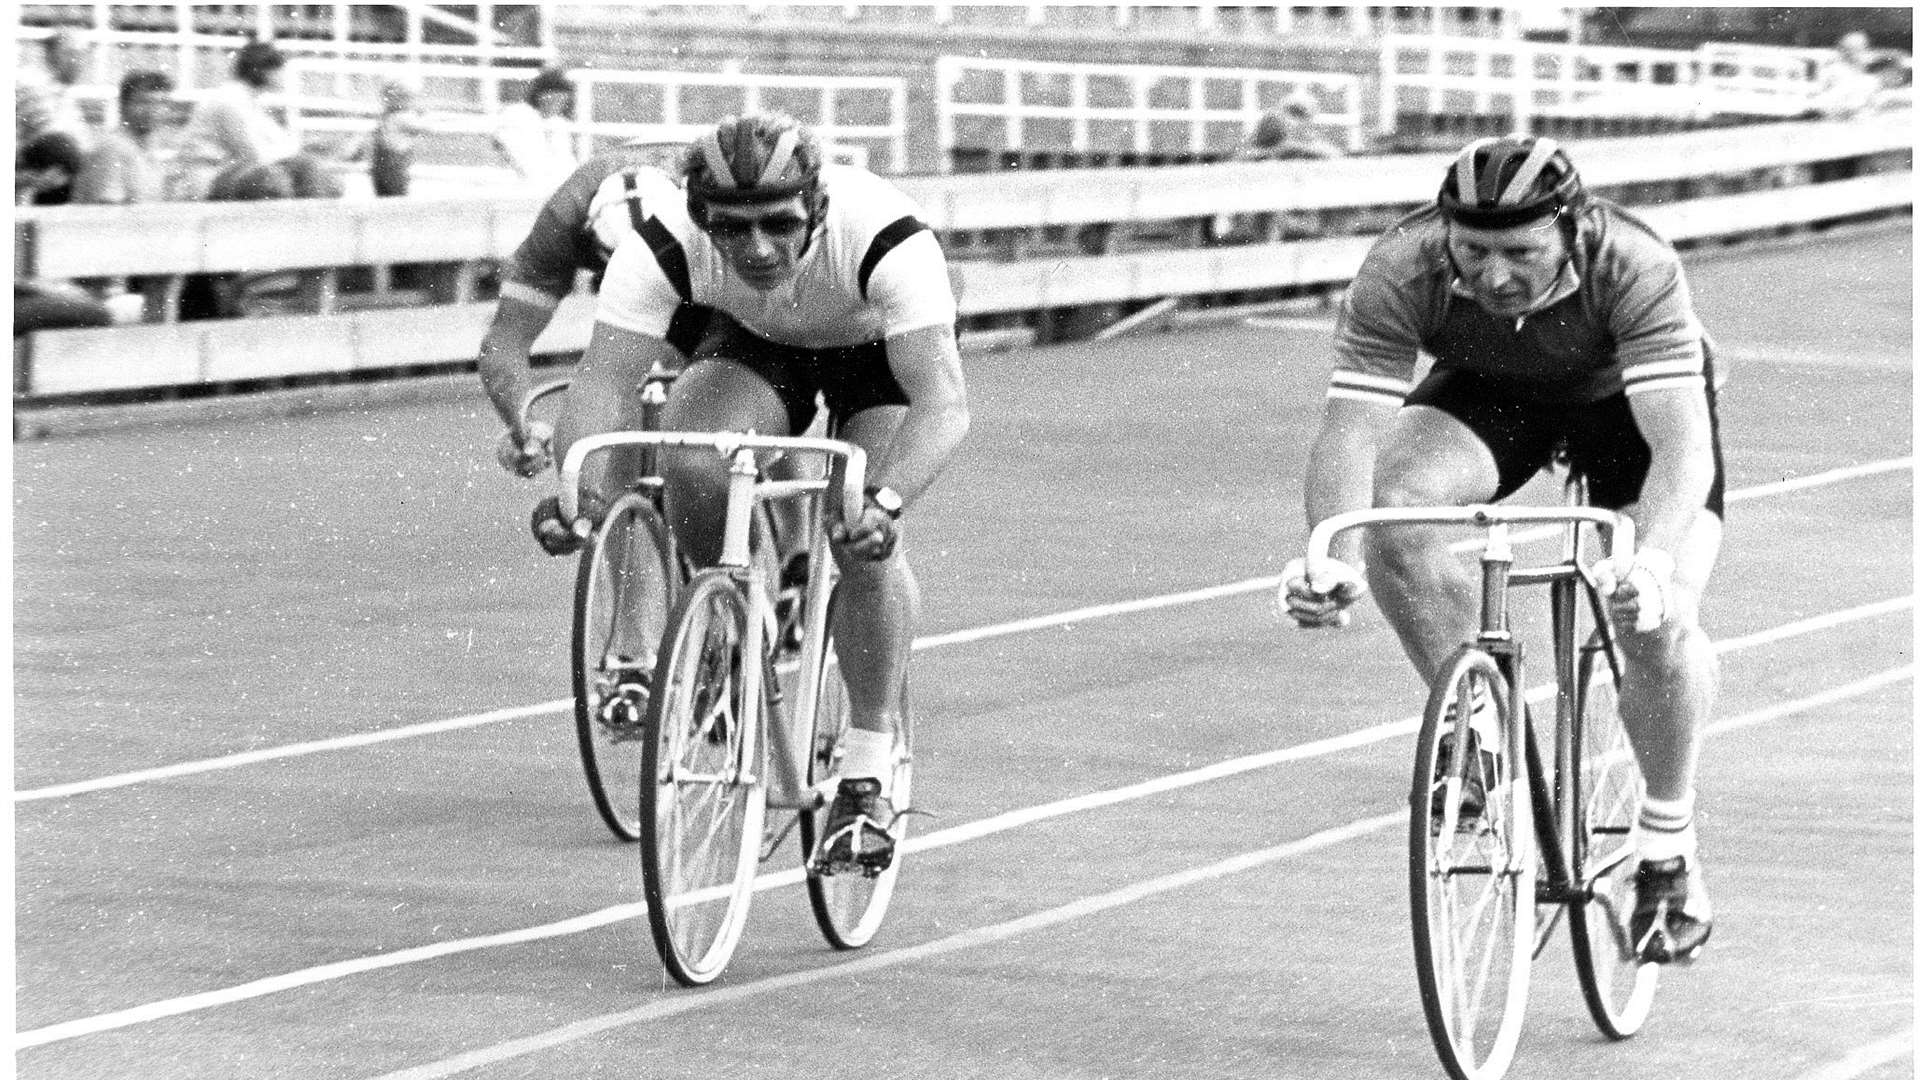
{"x":1554,"y":829}
{"x":743,"y":719}
{"x":628,"y":574}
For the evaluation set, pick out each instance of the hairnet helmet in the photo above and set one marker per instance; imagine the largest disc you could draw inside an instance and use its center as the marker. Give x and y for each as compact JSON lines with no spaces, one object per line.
{"x":1497,"y":183}
{"x":758,"y":158}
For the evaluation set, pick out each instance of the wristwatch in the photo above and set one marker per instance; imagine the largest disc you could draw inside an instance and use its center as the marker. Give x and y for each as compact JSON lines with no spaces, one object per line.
{"x":887,"y":499}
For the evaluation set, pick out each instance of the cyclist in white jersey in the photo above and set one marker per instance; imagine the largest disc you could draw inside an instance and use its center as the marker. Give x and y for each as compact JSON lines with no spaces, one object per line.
{"x":811,"y":279}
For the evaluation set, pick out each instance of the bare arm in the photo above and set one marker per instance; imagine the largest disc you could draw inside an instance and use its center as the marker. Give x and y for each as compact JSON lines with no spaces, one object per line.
{"x":1678,"y":430}
{"x":926,"y":363}
{"x":1340,"y":466}
{"x":506,"y":363}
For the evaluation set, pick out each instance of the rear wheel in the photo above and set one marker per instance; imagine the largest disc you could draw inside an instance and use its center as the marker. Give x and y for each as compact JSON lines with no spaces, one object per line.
{"x":702,"y":807}
{"x":622,"y":593}
{"x":1619,"y":988}
{"x":1471,"y":875}
{"x":849,"y":906}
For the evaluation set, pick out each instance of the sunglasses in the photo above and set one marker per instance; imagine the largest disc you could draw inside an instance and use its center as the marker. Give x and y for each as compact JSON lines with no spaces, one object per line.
{"x":775,"y":226}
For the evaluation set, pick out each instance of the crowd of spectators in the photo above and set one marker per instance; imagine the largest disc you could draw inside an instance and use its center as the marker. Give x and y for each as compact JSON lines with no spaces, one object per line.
{"x":233,"y":143}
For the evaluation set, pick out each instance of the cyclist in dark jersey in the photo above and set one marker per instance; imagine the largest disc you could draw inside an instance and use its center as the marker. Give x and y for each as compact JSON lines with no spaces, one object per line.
{"x":589,"y":215}
{"x":1556,"y":321}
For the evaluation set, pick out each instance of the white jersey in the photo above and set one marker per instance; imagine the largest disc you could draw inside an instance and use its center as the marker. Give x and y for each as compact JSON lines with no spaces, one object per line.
{"x":873,"y":270}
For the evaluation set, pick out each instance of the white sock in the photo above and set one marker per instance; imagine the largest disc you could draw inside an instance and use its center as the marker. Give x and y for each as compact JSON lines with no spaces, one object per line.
{"x":1485,"y":719}
{"x":868,"y":754}
{"x":1666,"y":828}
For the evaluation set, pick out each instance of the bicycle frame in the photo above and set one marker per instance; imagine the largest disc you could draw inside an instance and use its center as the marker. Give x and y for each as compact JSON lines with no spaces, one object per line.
{"x":745,"y":489}
{"x":1497,"y":576}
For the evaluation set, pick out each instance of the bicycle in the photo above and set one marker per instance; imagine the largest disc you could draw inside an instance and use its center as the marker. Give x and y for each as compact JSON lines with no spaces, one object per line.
{"x":740,"y":720}
{"x":628,"y":574}
{"x":1485,"y":899}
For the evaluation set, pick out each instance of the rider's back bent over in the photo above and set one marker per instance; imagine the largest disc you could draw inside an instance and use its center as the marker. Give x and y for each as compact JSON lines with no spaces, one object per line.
{"x":804,"y":278}
{"x":1556,"y":320}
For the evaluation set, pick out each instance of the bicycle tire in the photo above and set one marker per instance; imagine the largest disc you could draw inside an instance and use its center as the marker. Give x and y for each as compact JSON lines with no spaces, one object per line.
{"x":849,"y":907}
{"x":1618,"y":987}
{"x":608,"y":720}
{"x":703,"y":802}
{"x":1471,"y":887}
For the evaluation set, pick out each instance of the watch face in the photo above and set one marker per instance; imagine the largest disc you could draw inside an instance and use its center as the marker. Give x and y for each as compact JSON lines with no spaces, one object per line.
{"x":887,"y":499}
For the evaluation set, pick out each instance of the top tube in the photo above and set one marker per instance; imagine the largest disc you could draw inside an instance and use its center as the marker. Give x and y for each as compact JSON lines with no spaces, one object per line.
{"x":726,"y":443}
{"x":1618,"y":526}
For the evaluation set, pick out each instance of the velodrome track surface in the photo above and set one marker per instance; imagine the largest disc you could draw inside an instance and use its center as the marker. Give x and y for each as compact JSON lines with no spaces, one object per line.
{"x":1168,"y":839}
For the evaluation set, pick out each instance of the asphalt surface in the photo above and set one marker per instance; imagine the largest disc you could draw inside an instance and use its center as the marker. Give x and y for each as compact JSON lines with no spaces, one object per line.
{"x":1167,"y":838}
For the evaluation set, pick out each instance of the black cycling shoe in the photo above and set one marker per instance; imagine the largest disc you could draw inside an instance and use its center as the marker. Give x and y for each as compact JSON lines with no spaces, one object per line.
{"x":1481,"y":766}
{"x":856,"y":833}
{"x":1672,"y":917}
{"x":789,"y":605}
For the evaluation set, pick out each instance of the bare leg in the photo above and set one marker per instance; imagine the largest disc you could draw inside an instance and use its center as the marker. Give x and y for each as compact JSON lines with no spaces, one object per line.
{"x":1672,"y":676}
{"x":878,"y":606}
{"x":712,"y":395}
{"x":1428,"y":594}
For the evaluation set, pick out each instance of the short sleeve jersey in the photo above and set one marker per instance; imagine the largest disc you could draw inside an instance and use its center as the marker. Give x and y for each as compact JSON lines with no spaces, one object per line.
{"x":581,"y":224}
{"x":872,"y":270}
{"x":1622,"y":318}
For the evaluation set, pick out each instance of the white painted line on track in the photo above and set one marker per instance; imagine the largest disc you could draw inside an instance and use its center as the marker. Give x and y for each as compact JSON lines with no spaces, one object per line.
{"x":988,"y":935}
{"x":958,"y":637}
{"x":92,"y":1025}
{"x":1866,"y":1058}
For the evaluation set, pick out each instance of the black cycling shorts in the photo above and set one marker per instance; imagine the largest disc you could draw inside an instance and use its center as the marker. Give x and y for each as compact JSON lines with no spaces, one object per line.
{"x":851,"y":378}
{"x":1602,"y":442}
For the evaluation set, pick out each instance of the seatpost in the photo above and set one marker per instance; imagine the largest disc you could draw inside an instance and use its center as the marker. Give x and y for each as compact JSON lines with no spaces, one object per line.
{"x":1496,"y":562}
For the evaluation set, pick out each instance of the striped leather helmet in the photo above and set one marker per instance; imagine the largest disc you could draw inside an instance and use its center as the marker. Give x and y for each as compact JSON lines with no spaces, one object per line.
{"x":1497,"y":183}
{"x":758,"y":158}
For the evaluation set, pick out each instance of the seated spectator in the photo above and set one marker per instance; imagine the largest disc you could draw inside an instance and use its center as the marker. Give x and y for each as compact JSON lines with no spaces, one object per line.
{"x":1847,"y":86}
{"x":43,"y":99}
{"x":232,"y":126}
{"x":131,"y":163}
{"x":1287,"y":133}
{"x":536,"y":135}
{"x":44,"y":171}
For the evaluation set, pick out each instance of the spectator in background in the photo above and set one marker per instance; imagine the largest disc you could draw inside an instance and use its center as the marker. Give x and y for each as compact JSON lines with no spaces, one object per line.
{"x":43,"y":98}
{"x":1287,"y":133}
{"x":536,"y":135}
{"x":390,"y":149}
{"x":232,"y":127}
{"x":44,"y":170}
{"x":131,"y":163}
{"x":1847,"y":86}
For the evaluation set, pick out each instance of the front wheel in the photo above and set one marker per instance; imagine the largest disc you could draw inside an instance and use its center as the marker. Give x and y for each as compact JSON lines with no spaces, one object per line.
{"x":622,"y":592}
{"x":702,"y":801}
{"x":1618,"y":987}
{"x":1471,"y":871}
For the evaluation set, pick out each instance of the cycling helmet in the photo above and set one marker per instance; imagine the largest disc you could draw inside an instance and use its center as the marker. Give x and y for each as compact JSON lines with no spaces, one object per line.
{"x":762,"y":157}
{"x":1497,"y":183}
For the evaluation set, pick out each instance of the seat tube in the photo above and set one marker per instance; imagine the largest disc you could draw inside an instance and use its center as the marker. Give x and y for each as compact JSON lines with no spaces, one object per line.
{"x":741,"y":476}
{"x":1496,"y":563}
{"x":653,"y":403}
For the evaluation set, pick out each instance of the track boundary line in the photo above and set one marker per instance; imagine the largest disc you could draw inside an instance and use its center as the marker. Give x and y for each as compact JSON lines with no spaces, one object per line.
{"x":1865,"y":1058}
{"x":988,"y":935}
{"x":72,"y":1029}
{"x":957,"y":637}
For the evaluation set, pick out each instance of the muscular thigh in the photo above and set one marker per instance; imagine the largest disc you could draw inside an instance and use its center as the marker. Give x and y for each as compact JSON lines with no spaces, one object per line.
{"x":1431,"y":458}
{"x":1459,"y":412}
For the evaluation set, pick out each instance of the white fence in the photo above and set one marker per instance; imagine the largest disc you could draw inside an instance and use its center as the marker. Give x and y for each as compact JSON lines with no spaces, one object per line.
{"x":1032,"y":105}
{"x":1527,"y":80}
{"x":68,"y":242}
